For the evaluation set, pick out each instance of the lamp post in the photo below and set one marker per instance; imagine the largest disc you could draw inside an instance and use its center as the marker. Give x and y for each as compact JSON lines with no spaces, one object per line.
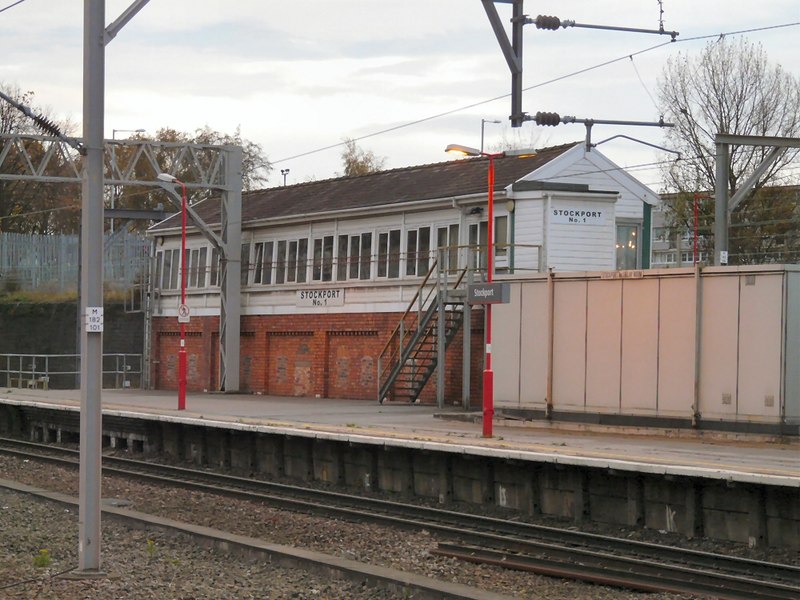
{"x":488,"y":373}
{"x":115,"y":188}
{"x":182,"y":309}
{"x":284,"y":172}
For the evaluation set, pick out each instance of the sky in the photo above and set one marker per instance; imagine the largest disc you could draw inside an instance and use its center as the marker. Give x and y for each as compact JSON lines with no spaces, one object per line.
{"x":297,"y":77}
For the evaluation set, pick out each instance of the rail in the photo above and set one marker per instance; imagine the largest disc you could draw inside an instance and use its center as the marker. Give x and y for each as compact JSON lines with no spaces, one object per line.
{"x":62,"y":371}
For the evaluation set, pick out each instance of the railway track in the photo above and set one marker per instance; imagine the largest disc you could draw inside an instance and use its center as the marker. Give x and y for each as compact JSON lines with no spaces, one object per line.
{"x":542,"y":549}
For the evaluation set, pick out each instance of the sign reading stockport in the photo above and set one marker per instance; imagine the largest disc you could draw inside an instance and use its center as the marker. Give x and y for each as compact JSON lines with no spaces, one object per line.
{"x":578,"y":216}
{"x":488,"y":293}
{"x":319,"y":298}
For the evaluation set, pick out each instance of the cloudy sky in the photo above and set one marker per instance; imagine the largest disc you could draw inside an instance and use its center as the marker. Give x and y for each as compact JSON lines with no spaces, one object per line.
{"x":301,"y":76}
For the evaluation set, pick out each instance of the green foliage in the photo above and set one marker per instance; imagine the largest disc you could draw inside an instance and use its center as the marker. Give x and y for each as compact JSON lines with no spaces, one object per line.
{"x":42,"y":560}
{"x":359,"y":162}
{"x":150,"y":549}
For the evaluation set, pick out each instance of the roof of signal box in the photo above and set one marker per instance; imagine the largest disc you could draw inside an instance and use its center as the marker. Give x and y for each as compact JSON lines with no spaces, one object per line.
{"x":450,"y":179}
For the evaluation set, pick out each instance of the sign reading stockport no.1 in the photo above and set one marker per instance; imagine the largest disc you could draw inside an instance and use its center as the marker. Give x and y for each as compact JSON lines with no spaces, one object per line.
{"x":320,"y":298}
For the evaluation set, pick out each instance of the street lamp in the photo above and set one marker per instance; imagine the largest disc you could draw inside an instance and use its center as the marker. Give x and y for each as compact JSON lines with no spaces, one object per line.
{"x":284,"y":172}
{"x":114,"y":191}
{"x":488,"y":373}
{"x":182,"y":309}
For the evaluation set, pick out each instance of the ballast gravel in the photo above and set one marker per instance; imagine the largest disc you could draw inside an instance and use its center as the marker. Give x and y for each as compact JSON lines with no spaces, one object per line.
{"x":151,"y":564}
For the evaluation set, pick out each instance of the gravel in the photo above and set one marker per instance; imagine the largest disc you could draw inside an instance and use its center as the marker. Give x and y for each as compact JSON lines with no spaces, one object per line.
{"x":149,"y":564}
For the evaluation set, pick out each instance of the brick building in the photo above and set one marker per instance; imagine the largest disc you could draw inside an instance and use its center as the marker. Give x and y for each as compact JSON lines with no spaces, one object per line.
{"x":328,"y":268}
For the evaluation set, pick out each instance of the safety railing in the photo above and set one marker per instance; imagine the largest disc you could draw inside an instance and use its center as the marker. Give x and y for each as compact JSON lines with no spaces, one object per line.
{"x":62,"y":371}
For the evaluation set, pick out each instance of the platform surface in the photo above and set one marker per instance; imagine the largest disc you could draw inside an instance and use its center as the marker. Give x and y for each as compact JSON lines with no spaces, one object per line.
{"x":737,"y":458}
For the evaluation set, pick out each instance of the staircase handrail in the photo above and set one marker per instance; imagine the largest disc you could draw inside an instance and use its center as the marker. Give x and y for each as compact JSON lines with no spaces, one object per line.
{"x":400,"y":332}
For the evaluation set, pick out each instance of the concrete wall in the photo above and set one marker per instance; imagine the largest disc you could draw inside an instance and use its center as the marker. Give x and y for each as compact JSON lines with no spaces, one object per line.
{"x":629,"y":344}
{"x":51,"y":328}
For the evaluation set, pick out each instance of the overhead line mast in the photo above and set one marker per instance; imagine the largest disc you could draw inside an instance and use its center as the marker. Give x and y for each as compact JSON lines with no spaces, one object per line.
{"x":512,"y":49}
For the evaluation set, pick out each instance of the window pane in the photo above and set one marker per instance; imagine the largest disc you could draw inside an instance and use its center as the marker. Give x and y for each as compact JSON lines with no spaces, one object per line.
{"x":245,"y":271}
{"x":173,"y":279}
{"x":423,"y":263}
{"x":327,"y":258}
{"x":473,"y":251}
{"x":266,"y":275}
{"x":483,"y":235}
{"x":291,"y":262}
{"x":302,"y":260}
{"x":441,"y":244}
{"x":201,"y":268}
{"x":355,"y":244}
{"x":411,"y":252}
{"x":280,"y":263}
{"x":214,"y":268}
{"x":627,"y":246}
{"x":453,"y":243}
{"x":317,"y":266}
{"x":501,"y":235}
{"x":394,"y":253}
{"x":383,"y":251}
{"x":159,"y":260}
{"x":366,"y":256}
{"x":193,"y":270}
{"x":259,"y":263}
{"x":341,"y":258}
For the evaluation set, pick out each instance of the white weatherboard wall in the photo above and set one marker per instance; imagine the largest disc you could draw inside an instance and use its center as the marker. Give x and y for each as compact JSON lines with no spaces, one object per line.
{"x":576,"y":230}
{"x":624,"y":344}
{"x":599,"y":173}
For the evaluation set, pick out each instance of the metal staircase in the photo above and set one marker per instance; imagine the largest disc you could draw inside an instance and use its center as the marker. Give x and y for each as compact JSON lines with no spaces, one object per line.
{"x":430,"y":323}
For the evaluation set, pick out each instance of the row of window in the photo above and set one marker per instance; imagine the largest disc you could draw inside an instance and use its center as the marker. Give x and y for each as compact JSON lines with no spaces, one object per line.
{"x":346,"y":257}
{"x":669,"y":258}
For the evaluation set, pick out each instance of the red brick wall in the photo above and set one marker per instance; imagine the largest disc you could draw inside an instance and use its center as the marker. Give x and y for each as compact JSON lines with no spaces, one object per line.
{"x":330,"y":355}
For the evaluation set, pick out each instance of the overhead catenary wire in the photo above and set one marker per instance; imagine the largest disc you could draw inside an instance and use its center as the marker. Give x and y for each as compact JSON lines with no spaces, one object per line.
{"x":628,"y":56}
{"x":12,"y":5}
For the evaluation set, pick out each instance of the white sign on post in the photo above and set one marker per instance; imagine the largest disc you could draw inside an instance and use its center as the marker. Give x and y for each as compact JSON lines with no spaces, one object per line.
{"x":93,"y":319}
{"x":723,"y":257}
{"x":183,"y":313}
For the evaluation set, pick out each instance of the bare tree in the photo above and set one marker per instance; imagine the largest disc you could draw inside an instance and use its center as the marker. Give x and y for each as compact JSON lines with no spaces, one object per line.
{"x":359,"y":162}
{"x":730,"y":87}
{"x":255,"y":167}
{"x":32,"y":206}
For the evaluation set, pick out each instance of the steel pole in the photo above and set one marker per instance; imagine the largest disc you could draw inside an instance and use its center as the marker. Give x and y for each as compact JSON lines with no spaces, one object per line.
{"x":182,"y":351}
{"x":89,"y":509}
{"x":488,"y":373}
{"x":721,"y":204}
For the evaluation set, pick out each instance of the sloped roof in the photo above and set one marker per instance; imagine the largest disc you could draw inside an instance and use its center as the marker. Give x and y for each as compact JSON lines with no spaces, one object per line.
{"x":451,"y":179}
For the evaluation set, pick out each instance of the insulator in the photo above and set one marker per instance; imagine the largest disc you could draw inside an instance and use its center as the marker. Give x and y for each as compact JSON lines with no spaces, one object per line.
{"x":47,"y":125}
{"x":550,"y":119}
{"x":547,"y":22}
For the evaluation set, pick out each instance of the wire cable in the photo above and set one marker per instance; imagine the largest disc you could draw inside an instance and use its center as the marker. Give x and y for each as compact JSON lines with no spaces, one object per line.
{"x":533,"y":87}
{"x":5,"y":9}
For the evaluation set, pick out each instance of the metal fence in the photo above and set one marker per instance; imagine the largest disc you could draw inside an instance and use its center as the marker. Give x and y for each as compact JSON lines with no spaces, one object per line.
{"x":50,"y":262}
{"x":61,"y":371}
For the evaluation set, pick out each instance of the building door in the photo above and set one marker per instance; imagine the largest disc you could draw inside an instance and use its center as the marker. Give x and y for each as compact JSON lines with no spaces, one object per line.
{"x":627,"y":246}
